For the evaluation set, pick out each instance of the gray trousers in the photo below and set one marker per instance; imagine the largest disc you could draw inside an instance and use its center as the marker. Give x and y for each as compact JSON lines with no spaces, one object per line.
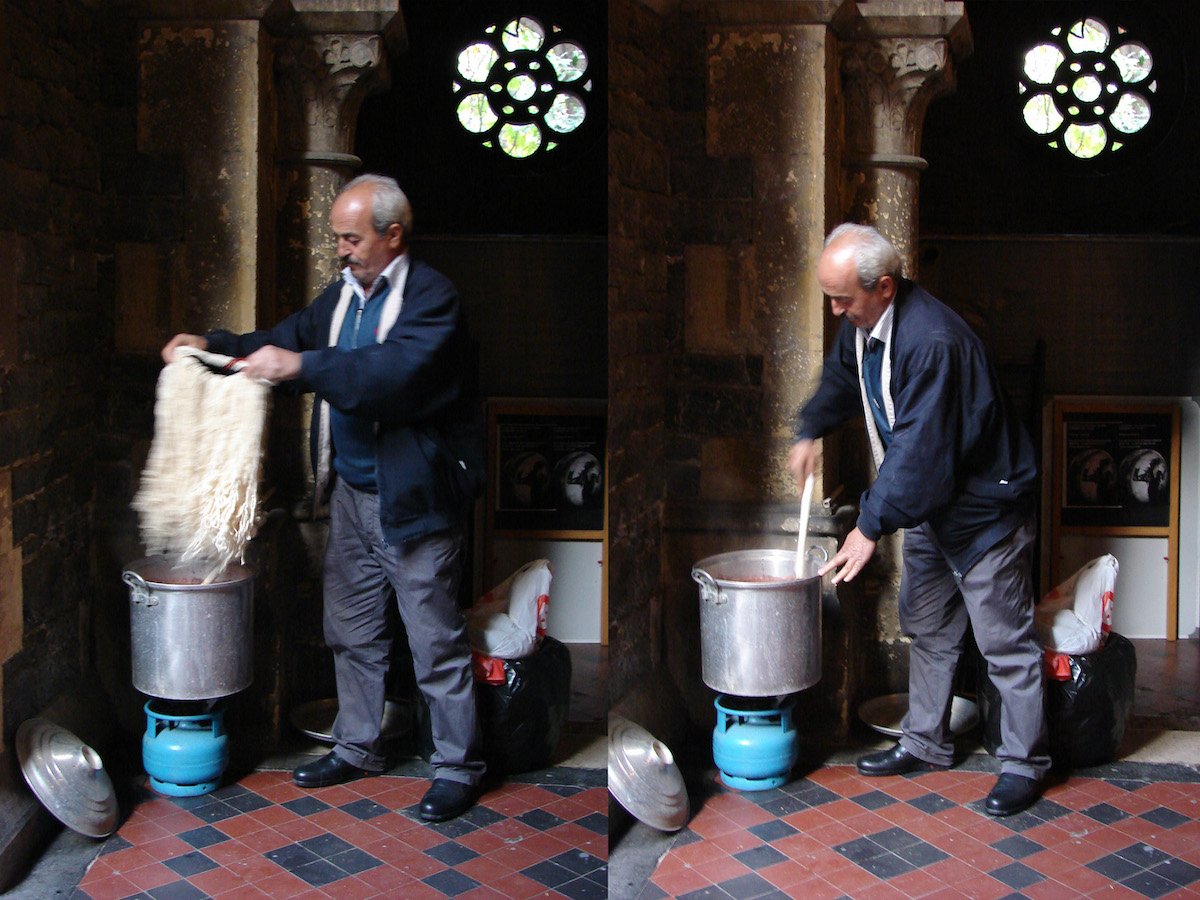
{"x":996,"y":598}
{"x":363,"y":575}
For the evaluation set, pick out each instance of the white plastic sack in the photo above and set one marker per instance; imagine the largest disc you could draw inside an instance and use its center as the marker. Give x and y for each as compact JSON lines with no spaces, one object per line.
{"x":1074,"y":617}
{"x":509,"y":619}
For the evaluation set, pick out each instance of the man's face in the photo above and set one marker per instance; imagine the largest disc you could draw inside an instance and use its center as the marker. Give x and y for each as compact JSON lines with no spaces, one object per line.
{"x":359,"y":245}
{"x":839,"y":280}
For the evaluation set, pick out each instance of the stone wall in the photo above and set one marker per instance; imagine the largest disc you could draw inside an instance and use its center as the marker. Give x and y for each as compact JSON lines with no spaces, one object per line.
{"x":52,"y":331}
{"x":54,"y":328}
{"x":643,"y":329}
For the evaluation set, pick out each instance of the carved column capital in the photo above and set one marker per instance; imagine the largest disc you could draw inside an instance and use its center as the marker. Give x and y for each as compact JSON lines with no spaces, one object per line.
{"x":322,"y":80}
{"x":888,"y":83}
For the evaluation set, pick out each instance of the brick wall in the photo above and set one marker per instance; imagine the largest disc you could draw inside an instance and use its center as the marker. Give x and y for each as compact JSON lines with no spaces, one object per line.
{"x":54,"y":332}
{"x":642,"y":330}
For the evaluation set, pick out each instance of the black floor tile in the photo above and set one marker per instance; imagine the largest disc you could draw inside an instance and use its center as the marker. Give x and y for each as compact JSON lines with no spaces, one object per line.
{"x":931,"y":803}
{"x":772,"y":831}
{"x":874,"y":800}
{"x":291,"y":856}
{"x":1148,"y":884}
{"x":887,"y":865}
{"x":1105,"y":813}
{"x":319,"y":872}
{"x":451,"y":853}
{"x":451,"y":883}
{"x":1178,"y":871}
{"x":579,"y":862}
{"x":176,"y":890}
{"x":354,"y":861}
{"x":540,"y":819}
{"x":364,"y":809}
{"x":782,"y":806}
{"x":549,"y":873}
{"x":597,"y":823}
{"x":1114,"y":867}
{"x":1018,"y":847}
{"x":747,"y":886}
{"x":205,"y":836}
{"x":1164,"y":818}
{"x":306,"y":806}
{"x":921,"y":854}
{"x":894,"y":838}
{"x":759,"y":857}
{"x":326,"y":845}
{"x":1017,"y":875}
{"x":189,"y":864}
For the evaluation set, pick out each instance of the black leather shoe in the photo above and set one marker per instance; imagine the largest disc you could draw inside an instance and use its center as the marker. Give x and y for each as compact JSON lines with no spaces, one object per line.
{"x":1011,"y":794}
{"x":896,"y":761}
{"x":446,"y":799}
{"x":328,"y":770}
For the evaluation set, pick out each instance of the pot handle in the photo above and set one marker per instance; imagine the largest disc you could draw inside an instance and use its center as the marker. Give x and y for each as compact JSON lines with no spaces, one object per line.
{"x":815,"y":557}
{"x":139,"y":591}
{"x":709,"y":592}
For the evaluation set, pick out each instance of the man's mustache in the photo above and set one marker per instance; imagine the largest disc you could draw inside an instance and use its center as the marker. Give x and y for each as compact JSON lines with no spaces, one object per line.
{"x":350,"y":261}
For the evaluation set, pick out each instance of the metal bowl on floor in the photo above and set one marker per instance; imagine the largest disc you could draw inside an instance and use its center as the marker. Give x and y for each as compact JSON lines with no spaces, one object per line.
{"x":885,"y":714}
{"x":315,"y":718}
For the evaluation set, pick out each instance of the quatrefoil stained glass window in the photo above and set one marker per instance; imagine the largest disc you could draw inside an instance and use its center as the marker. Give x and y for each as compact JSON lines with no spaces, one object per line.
{"x":1088,"y":89}
{"x":523,"y":88}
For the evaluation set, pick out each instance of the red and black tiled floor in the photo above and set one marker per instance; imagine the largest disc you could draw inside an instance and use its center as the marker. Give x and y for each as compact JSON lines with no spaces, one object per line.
{"x":1131,"y":831}
{"x":265,"y":837}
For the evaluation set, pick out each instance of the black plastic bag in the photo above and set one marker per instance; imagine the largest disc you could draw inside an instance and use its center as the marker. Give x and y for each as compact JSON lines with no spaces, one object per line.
{"x":1086,"y":715}
{"x":522,"y":719}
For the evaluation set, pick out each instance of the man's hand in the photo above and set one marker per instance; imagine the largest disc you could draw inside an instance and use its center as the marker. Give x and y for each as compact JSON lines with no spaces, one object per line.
{"x":183,"y":340}
{"x":802,"y":461}
{"x":851,"y":557}
{"x":273,"y":364}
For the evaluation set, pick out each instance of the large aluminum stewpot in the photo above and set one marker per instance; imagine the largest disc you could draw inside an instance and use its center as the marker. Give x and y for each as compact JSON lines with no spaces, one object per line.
{"x":760,"y":625}
{"x":190,"y":641}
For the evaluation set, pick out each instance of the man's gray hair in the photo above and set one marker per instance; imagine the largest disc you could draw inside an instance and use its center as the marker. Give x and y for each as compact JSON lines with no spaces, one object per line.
{"x":874,"y":255}
{"x":388,"y":203}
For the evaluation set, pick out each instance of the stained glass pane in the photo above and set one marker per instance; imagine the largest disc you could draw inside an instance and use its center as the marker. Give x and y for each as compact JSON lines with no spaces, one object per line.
{"x":1133,"y":61}
{"x":566,"y":113}
{"x":519,"y":141}
{"x":1086,"y":88}
{"x":1132,"y":113}
{"x":569,"y":61}
{"x":524,"y":33}
{"x":522,"y":87}
{"x":1042,"y":62}
{"x":476,"y":61}
{"x":1088,"y":36}
{"x":475,"y":113}
{"x":1041,"y":115}
{"x":1085,"y":141}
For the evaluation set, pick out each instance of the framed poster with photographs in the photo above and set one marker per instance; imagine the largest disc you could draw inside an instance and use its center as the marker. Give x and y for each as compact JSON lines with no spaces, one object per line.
{"x":1114,"y":472}
{"x":547,"y":474}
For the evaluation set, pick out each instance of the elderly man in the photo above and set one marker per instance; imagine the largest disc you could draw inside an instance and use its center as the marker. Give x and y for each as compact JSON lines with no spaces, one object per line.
{"x":956,"y":470}
{"x":385,"y":350}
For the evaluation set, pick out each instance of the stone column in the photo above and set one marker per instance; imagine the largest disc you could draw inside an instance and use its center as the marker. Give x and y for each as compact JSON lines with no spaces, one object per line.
{"x":324,"y":69}
{"x":894,"y":60}
{"x":891,"y":68}
{"x":326,"y":62}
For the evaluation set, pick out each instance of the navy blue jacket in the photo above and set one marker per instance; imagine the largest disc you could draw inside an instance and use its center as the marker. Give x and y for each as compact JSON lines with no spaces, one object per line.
{"x":959,"y":459}
{"x":416,"y":384}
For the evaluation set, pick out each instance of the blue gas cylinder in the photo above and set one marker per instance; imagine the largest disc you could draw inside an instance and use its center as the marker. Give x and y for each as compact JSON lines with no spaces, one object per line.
{"x":755,"y":744}
{"x":184,"y":754}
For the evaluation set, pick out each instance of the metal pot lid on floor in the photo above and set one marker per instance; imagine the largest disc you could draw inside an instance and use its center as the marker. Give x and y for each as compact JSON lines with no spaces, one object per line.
{"x":885,"y":714}
{"x":643,"y":777}
{"x":315,"y":718}
{"x":68,"y":777}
